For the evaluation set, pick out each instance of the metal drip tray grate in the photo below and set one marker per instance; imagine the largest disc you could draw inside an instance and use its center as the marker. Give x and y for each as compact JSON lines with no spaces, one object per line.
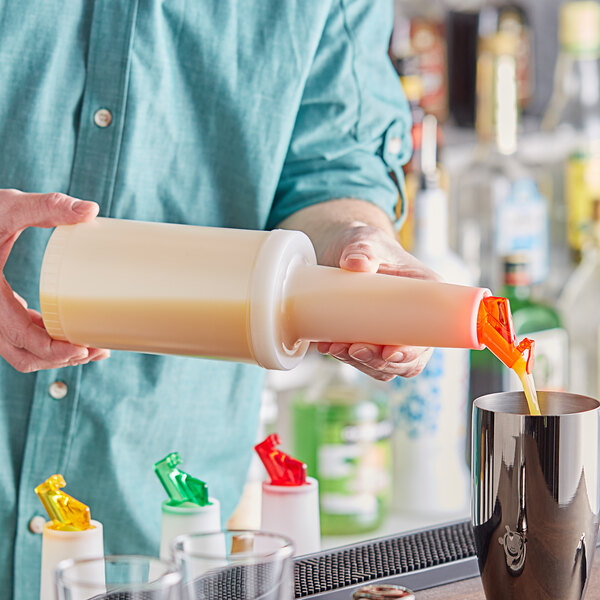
{"x":417,"y":560}
{"x":382,"y":558}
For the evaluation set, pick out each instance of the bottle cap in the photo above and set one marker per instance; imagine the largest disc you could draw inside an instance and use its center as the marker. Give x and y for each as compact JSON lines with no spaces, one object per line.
{"x":66,"y":513}
{"x":282,"y":468}
{"x":579,"y":27}
{"x":383,"y":592}
{"x":180,"y":487}
{"x":495,"y":330}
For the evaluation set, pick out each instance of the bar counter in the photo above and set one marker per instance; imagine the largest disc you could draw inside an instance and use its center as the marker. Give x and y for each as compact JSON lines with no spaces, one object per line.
{"x":471,"y":589}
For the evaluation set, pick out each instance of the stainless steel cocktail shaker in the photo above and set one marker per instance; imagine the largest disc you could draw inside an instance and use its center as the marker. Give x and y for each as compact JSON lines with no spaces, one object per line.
{"x":535,"y":494}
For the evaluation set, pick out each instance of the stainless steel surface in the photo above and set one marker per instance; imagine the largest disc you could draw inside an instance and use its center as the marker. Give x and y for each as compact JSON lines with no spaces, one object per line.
{"x":535,"y":495}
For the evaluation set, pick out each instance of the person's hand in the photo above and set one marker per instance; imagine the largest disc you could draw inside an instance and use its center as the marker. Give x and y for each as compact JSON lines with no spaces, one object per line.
{"x":370,"y":249}
{"x":24,"y":341}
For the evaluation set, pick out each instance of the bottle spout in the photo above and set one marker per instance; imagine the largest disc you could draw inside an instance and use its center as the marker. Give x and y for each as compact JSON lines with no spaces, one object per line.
{"x":65,"y":512}
{"x":495,"y":330}
{"x":180,"y":487}
{"x":281,"y":467}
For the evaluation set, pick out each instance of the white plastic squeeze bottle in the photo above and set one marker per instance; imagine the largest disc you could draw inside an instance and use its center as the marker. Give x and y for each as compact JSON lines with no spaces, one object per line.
{"x":189,"y":508}
{"x":290,"y":499}
{"x":70,"y":533}
{"x":250,"y":296}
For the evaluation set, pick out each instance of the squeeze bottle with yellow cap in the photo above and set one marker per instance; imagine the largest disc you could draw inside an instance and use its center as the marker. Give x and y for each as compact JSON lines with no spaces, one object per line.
{"x":250,"y":296}
{"x":70,"y":533}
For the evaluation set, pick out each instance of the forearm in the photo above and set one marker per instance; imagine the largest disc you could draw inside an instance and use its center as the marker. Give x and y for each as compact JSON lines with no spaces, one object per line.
{"x":327,"y":221}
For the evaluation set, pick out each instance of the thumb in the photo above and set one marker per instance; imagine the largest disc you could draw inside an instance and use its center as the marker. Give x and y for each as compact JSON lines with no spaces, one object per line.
{"x":19,"y":210}
{"x":360,"y":257}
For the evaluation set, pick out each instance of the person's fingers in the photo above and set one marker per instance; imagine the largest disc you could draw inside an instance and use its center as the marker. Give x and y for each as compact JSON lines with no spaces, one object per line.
{"x":359,"y":256}
{"x":20,"y":299}
{"x":26,"y":362}
{"x":403,"y":361}
{"x":369,"y":359}
{"x":36,"y":317}
{"x":20,"y":210}
{"x":96,"y":354}
{"x":19,"y":331}
{"x":398,"y":354}
{"x":323,"y":347}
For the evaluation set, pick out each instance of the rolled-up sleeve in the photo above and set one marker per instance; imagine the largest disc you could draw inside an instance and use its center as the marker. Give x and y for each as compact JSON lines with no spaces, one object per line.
{"x":352,"y":132}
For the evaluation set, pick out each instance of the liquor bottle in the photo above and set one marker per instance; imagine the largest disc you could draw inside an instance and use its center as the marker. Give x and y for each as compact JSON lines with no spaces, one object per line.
{"x":579,"y":307}
{"x":467,"y":22}
{"x":538,"y":321}
{"x":423,"y":21}
{"x":573,"y":114}
{"x":429,"y":411}
{"x":499,"y":209}
{"x":342,"y":433}
{"x":412,"y":85}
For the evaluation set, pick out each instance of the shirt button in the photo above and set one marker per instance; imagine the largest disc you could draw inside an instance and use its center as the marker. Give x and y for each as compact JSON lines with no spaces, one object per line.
{"x":58,"y":390}
{"x":394,"y":145}
{"x":36,"y":525}
{"x":103,"y":117}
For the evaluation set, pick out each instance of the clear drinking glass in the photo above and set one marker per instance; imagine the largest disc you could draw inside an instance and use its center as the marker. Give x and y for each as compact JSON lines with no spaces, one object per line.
{"x":118,"y":578}
{"x":236,"y":565}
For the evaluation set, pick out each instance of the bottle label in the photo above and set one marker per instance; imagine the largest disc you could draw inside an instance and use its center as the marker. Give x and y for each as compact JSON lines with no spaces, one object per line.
{"x":352,"y":477}
{"x":522,"y":226}
{"x":582,"y":187}
{"x":551,"y":365}
{"x":433,"y":405}
{"x":354,"y":469}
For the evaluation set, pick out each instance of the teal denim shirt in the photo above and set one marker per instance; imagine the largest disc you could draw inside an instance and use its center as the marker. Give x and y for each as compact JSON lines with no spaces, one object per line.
{"x":222,"y":112}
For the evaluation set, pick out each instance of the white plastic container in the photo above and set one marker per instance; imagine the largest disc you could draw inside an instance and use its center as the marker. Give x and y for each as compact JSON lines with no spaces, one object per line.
{"x":251,"y":296}
{"x":180,"y":520}
{"x":59,"y":545}
{"x":293,"y":511}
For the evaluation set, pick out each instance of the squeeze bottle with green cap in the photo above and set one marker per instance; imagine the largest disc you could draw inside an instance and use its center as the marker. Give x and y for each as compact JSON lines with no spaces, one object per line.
{"x":290,"y":499}
{"x":250,"y":296}
{"x":189,"y":508}
{"x":70,"y":533}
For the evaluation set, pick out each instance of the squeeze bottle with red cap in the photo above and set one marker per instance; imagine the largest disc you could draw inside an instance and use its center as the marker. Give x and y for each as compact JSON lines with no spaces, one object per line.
{"x":250,"y":296}
{"x":290,"y":499}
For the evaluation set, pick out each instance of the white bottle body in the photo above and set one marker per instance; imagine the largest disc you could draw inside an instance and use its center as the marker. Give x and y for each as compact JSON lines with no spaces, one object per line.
{"x":293,"y":511}
{"x":250,"y":296}
{"x":60,"y":545}
{"x":187,"y":519}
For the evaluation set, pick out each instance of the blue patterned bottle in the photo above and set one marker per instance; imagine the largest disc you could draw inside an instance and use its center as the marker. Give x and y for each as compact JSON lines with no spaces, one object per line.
{"x":430,"y":410}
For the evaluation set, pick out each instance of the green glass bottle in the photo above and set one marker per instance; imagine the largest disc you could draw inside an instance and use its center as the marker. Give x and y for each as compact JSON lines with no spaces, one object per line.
{"x":342,"y":432}
{"x":533,"y":319}
{"x":538,"y":321}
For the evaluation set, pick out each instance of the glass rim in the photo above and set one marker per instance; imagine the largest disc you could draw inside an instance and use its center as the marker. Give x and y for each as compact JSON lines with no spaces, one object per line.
{"x":515,"y":404}
{"x":171,"y":575}
{"x":284,"y":552}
